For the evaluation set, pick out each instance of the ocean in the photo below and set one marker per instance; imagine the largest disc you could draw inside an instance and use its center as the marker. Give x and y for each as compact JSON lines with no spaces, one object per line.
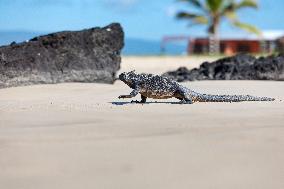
{"x":133,"y":46}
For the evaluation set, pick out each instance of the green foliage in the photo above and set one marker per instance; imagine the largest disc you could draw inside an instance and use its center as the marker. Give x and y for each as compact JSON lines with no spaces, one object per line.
{"x":211,"y":12}
{"x":214,"y":6}
{"x":247,"y":27}
{"x":246,"y":4}
{"x":194,"y":18}
{"x":195,"y":3}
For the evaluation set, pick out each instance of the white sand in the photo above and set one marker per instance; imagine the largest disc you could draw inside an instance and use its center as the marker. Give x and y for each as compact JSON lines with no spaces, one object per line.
{"x":159,"y":65}
{"x":71,"y":136}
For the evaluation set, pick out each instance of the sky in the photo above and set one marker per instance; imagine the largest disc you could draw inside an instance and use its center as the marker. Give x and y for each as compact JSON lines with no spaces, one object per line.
{"x":144,"y":19}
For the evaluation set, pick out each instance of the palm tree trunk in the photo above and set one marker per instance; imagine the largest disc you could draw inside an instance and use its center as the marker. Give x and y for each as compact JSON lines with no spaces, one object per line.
{"x":214,"y":43}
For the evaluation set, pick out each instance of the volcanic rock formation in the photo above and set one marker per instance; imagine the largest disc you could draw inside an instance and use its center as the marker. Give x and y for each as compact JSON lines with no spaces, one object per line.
{"x":239,"y":67}
{"x":91,"y":55}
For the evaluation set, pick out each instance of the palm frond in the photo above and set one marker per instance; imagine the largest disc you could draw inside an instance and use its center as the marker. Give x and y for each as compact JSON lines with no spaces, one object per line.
{"x":232,"y":16}
{"x":228,"y":8}
{"x":194,"y":18}
{"x":247,"y":27}
{"x":195,"y":3}
{"x":214,"y":5}
{"x":232,"y":6}
{"x":246,"y":4}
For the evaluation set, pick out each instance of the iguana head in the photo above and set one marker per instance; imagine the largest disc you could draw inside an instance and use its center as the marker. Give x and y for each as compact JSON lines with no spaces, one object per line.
{"x":128,"y":78}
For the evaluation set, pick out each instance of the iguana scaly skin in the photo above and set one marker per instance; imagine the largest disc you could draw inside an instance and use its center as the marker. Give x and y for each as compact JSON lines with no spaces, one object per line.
{"x":158,"y":87}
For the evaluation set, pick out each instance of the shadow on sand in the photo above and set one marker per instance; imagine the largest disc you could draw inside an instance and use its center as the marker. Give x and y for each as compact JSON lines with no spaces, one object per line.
{"x":126,"y":103}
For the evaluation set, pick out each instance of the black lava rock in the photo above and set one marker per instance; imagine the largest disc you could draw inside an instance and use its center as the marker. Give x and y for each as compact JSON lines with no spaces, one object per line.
{"x":91,"y":55}
{"x":239,"y":67}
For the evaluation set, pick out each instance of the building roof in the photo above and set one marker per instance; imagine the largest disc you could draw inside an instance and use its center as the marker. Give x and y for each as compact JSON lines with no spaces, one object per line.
{"x":273,"y":34}
{"x":266,"y":35}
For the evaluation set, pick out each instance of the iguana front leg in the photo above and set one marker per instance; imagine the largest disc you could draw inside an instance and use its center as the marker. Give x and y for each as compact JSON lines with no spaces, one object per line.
{"x":143,"y":100}
{"x":131,"y":95}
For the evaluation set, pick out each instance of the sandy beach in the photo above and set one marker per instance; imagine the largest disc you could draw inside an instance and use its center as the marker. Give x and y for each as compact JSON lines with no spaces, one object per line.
{"x":80,"y":135}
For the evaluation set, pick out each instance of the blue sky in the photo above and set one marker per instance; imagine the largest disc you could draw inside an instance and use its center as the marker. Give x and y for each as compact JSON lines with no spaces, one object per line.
{"x":146,"y":19}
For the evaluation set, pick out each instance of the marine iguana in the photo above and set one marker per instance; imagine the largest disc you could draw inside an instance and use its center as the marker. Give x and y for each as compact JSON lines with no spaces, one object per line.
{"x":158,"y":87}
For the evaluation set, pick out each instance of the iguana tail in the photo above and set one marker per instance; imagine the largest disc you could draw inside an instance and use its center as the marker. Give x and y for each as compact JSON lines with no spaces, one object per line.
{"x":230,"y":98}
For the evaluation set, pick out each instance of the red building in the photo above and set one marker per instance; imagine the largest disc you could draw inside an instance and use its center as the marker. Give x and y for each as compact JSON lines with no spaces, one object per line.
{"x":269,"y":42}
{"x":227,"y":46}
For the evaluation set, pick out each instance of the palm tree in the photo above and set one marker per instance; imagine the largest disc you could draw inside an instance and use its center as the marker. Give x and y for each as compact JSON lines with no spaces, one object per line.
{"x":212,"y":12}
